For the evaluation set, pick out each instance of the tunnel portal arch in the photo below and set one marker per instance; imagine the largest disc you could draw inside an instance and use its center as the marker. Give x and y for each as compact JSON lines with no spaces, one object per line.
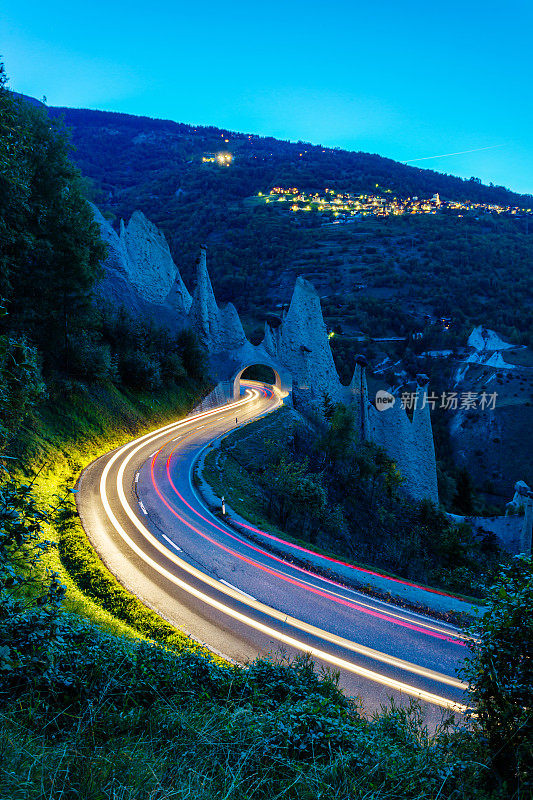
{"x":283,"y":380}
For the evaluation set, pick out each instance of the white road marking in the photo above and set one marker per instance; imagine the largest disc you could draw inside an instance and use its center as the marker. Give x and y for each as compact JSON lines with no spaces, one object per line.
{"x":175,"y":546}
{"x":231,"y":586}
{"x":137,"y":478}
{"x":143,"y":508}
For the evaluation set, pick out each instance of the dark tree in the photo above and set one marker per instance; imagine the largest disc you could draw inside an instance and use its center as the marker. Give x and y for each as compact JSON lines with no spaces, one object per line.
{"x":464,"y":496}
{"x":51,"y":249}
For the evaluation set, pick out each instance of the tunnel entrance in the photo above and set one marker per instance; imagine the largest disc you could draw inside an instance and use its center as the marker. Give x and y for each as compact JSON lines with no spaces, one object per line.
{"x":256,"y":372}
{"x":259,"y":372}
{"x":264,"y":373}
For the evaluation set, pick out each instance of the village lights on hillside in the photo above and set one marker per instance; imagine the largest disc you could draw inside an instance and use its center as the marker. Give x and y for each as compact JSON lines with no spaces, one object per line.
{"x":224,"y":159}
{"x":343,"y":205}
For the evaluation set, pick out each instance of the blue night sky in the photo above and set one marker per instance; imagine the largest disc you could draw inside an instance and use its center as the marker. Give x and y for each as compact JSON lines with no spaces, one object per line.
{"x":407,"y":80}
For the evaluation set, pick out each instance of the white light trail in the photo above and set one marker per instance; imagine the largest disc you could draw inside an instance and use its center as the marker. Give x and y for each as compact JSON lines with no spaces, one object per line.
{"x":323,"y":655}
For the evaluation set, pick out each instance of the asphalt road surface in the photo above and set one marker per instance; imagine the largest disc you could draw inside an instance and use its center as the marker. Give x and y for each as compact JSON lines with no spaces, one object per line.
{"x":140,"y":510}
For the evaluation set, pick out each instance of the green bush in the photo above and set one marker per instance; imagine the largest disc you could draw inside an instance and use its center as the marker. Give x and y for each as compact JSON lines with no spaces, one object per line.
{"x":30,"y":597}
{"x":140,"y":371}
{"x":21,"y":384}
{"x":90,"y":360}
{"x":500,"y":675}
{"x":172,"y":369}
{"x":193,"y":356}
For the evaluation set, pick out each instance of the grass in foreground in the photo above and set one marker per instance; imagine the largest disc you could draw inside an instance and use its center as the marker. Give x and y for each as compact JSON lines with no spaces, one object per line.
{"x":115,"y":718}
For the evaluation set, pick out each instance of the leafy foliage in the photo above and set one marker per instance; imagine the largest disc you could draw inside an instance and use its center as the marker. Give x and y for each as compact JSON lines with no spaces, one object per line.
{"x":21,"y":384}
{"x":500,"y":675}
{"x":51,"y":248}
{"x":30,"y":601}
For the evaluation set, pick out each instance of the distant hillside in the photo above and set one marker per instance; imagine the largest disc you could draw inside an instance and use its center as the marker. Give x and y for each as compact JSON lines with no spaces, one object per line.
{"x":139,"y":144}
{"x":385,"y":272}
{"x":32,"y":101}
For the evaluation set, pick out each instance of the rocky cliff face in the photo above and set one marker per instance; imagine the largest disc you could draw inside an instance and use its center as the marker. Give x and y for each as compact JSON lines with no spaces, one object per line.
{"x":409,"y":443}
{"x":219,"y":330}
{"x":115,"y":287}
{"x":115,"y":258}
{"x":139,"y":268}
{"x":301,"y":344}
{"x":358,"y":401}
{"x":150,"y":267}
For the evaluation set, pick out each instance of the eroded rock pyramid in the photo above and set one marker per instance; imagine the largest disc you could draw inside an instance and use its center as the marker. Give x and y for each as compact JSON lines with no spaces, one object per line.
{"x":219,"y":329}
{"x":139,"y":267}
{"x":301,"y":344}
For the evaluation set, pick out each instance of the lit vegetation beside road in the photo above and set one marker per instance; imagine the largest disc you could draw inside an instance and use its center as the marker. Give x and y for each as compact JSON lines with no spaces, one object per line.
{"x":86,"y":711}
{"x":58,"y":441}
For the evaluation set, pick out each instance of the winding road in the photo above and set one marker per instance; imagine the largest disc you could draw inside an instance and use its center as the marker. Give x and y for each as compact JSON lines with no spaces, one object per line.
{"x":141,"y":512}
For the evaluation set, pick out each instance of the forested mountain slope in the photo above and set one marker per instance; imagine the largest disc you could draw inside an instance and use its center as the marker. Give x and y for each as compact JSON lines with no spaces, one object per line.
{"x":414,"y":264}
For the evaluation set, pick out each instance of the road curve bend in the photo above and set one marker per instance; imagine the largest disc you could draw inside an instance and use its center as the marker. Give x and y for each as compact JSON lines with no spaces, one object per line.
{"x":142,"y":514}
